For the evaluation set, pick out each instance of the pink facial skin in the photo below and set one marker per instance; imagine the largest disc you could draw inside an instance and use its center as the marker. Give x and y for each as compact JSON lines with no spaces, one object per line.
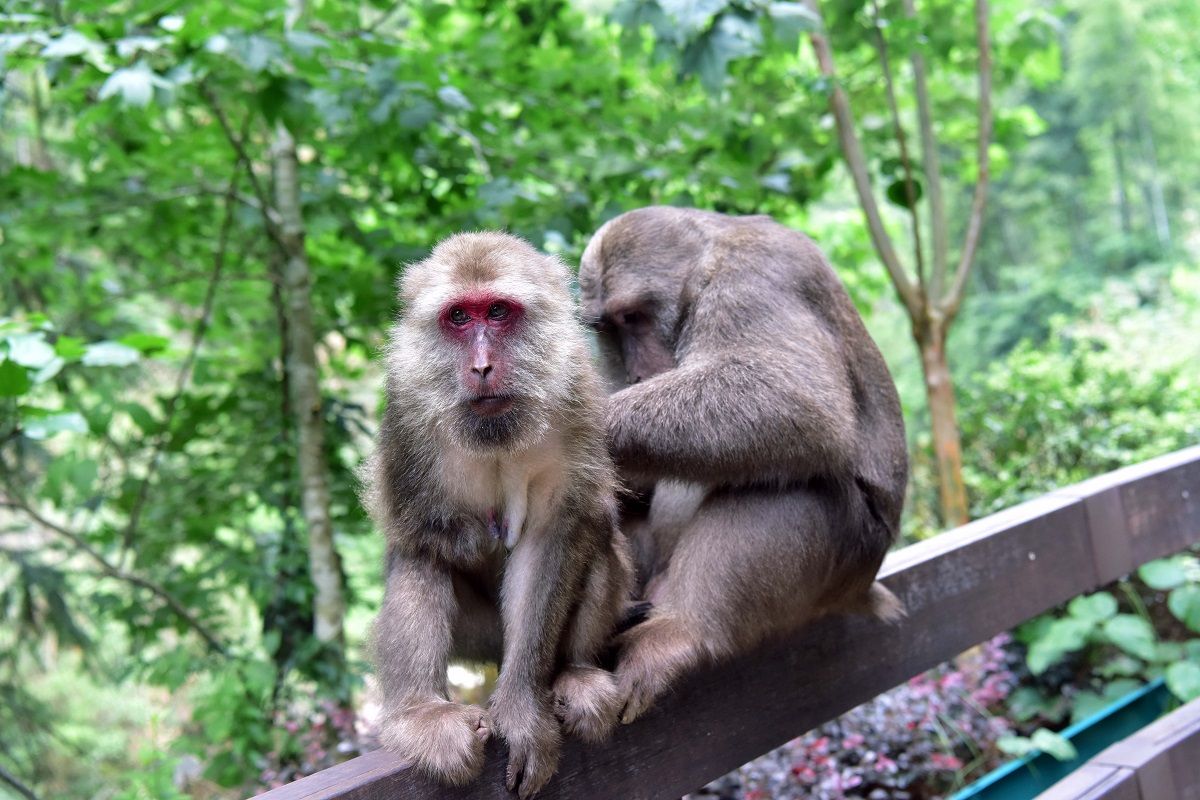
{"x":479,"y":323}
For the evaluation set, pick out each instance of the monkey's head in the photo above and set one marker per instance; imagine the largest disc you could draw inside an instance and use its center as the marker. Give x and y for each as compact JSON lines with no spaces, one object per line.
{"x":486,"y":343}
{"x":636,"y":279}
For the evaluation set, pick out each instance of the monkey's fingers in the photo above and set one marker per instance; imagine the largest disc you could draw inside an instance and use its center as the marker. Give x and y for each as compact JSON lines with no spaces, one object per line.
{"x":483,"y":728}
{"x":529,"y":769}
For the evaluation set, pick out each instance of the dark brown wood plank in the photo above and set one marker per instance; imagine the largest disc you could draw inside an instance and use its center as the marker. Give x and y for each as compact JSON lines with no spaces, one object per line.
{"x":1143,"y":512}
{"x":959,"y":588}
{"x":1094,"y":782}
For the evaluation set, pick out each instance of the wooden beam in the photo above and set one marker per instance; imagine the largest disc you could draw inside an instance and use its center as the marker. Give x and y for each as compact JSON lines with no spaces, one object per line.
{"x":960,"y":588}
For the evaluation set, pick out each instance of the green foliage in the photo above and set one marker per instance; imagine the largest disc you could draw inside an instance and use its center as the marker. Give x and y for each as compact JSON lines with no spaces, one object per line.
{"x":1042,"y":739}
{"x":151,"y":537}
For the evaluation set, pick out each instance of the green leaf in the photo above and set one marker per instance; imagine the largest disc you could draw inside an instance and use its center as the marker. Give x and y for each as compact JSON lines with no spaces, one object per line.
{"x":1120,"y":665}
{"x":1085,"y":704}
{"x":134,"y":85}
{"x":1062,"y":636}
{"x":1183,"y":679}
{"x":1184,"y":603}
{"x":1054,"y":744}
{"x":30,"y":350}
{"x":14,"y":380}
{"x":45,"y":427}
{"x":1166,"y":573}
{"x":789,"y":20}
{"x":70,"y":347}
{"x":71,"y":43}
{"x":897,"y":193}
{"x":109,"y":354}
{"x":453,"y":98}
{"x":1095,"y":608}
{"x":1133,"y":635}
{"x":1016,"y":746}
{"x":145,"y":342}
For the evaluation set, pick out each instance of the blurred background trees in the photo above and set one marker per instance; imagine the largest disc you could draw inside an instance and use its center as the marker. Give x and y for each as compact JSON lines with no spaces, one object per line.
{"x":204,"y":206}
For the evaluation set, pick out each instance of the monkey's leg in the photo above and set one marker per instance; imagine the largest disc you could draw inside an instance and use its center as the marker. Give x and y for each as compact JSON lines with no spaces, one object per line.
{"x":586,"y":699}
{"x":539,"y":585}
{"x":751,"y":563}
{"x":411,"y":640}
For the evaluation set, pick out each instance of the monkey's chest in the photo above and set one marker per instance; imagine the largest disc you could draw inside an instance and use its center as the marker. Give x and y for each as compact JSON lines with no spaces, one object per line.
{"x":511,"y":496}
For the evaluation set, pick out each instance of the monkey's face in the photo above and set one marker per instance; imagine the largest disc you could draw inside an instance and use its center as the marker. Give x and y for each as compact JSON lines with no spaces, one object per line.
{"x":632,"y":299}
{"x":487,"y":341}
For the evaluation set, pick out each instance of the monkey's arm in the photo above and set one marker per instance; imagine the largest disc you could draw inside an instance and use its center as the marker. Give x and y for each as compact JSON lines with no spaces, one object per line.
{"x":538,"y":593}
{"x":750,"y":414}
{"x":412,"y":635}
{"x":411,"y":643}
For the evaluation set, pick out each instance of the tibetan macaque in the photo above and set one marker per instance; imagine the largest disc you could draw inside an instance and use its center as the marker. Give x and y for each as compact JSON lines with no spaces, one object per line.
{"x":494,"y":488}
{"x":757,"y":418}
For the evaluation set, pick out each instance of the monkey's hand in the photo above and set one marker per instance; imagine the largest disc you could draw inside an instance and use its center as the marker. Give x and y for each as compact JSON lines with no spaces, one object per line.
{"x":529,"y":727}
{"x":442,"y":739}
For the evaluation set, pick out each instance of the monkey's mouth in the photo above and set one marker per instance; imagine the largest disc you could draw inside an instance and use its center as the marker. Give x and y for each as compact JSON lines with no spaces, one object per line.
{"x":490,"y":405}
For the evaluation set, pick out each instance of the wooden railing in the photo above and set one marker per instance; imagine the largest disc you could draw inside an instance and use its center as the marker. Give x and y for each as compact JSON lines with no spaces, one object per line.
{"x":960,"y":588}
{"x":1159,"y":762}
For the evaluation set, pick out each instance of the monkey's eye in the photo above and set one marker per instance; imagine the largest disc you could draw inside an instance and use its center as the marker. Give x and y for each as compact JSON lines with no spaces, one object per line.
{"x":498,"y":311}
{"x":459,"y":317}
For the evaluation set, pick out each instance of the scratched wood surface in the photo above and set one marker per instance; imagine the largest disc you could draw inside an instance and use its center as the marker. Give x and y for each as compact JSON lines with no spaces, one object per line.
{"x":960,"y":588}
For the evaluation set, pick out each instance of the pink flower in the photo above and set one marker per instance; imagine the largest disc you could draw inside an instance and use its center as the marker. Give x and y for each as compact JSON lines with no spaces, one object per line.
{"x":945,"y":761}
{"x":853,"y":740}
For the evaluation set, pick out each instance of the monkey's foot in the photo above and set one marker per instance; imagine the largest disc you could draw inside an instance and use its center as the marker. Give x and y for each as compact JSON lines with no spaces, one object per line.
{"x":442,"y":739}
{"x":652,"y":655}
{"x":587,"y":702}
{"x":534,"y":742}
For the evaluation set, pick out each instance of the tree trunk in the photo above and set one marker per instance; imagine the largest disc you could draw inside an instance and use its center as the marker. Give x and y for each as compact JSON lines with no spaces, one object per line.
{"x":1123,"y":210}
{"x":1155,"y":196}
{"x":329,"y":605}
{"x":947,"y":447}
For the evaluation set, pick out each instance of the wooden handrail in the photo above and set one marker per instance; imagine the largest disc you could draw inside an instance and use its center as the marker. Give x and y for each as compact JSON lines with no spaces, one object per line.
{"x":960,"y":588}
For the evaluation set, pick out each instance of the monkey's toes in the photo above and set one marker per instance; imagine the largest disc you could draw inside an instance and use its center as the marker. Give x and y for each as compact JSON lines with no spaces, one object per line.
{"x":587,"y":702}
{"x":638,"y":696}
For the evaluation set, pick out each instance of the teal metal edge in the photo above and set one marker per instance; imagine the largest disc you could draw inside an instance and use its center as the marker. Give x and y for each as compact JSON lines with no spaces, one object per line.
{"x":1028,"y":776}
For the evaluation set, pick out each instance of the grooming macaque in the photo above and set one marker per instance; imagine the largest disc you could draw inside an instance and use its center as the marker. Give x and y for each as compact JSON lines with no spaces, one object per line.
{"x":493,"y":486}
{"x":758,"y":418}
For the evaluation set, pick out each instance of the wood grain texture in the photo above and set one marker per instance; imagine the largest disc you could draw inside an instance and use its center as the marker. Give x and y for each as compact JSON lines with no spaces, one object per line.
{"x":1095,"y":782}
{"x":960,"y":588}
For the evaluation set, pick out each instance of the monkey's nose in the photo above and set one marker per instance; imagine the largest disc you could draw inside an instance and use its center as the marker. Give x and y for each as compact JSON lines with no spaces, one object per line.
{"x":482,"y":370}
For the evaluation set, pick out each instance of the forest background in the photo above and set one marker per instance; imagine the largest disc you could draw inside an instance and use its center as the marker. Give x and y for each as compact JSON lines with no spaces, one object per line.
{"x":204,"y":207}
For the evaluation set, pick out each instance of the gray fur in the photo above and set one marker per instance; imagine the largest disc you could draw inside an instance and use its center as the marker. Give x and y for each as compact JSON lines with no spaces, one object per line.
{"x":753,"y":401}
{"x":438,"y":473}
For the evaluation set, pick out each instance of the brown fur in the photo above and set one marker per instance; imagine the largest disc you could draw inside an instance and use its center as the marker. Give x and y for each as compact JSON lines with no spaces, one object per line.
{"x":760,"y":418}
{"x":553,"y":595}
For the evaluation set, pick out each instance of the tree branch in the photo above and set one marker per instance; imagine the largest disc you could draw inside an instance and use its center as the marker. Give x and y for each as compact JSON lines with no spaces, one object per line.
{"x":856,"y":162}
{"x":15,"y":783}
{"x":15,"y":502}
{"x":950,"y":304}
{"x":932,"y":166}
{"x":910,"y":189}
{"x":185,"y":370}
{"x":270,"y":215}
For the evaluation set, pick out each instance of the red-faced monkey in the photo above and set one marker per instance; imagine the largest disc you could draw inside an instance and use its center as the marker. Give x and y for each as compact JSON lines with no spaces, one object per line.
{"x":754,"y":403}
{"x":493,"y":486}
